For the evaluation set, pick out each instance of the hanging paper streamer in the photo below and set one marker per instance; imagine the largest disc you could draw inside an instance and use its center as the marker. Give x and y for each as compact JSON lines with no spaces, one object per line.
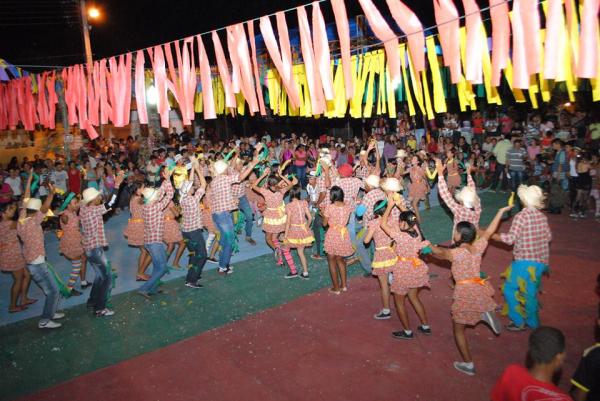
{"x":343,"y":30}
{"x":224,"y":71}
{"x":140,"y":88}
{"x":412,"y":27}
{"x":446,"y":16}
{"x":208,"y":103}
{"x":312,"y":73}
{"x":500,"y":38}
{"x":257,"y":83}
{"x":589,"y":64}
{"x":321,"y":48}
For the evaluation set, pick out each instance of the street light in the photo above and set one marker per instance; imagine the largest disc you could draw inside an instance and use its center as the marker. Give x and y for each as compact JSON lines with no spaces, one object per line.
{"x":93,"y":13}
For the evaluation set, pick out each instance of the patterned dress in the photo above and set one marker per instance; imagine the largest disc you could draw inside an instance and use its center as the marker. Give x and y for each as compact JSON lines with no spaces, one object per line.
{"x":172,"y":231}
{"x":337,"y":238}
{"x":207,"y":221}
{"x":385,"y":257}
{"x":71,"y":245}
{"x":299,"y":234}
{"x":134,"y":232}
{"x":274,"y":214}
{"x":418,"y":186}
{"x":453,"y":175}
{"x":11,"y":254}
{"x":410,"y":271}
{"x":472,"y":295}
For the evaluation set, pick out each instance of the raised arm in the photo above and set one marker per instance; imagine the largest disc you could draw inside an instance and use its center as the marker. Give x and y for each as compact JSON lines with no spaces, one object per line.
{"x":255,"y":186}
{"x":49,"y":198}
{"x":386,"y":215}
{"x":244,"y":174}
{"x":168,"y":188}
{"x":443,"y":187}
{"x":441,"y":253}
{"x":27,"y":192}
{"x":493,"y":227}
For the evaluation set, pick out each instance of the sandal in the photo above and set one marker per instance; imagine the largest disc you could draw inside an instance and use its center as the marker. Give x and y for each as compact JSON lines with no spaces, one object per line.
{"x":141,"y":277}
{"x":334,"y":291}
{"x":30,"y":302}
{"x":17,"y":309}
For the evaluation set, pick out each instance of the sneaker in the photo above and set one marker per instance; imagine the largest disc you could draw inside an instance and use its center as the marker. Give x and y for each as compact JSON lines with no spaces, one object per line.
{"x":250,"y":241}
{"x":193,"y":285}
{"x":291,"y":275}
{"x":85,"y":284}
{"x":582,"y":215}
{"x":513,"y":327}
{"x":225,"y":271}
{"x":382,"y":316}
{"x":104,"y":312}
{"x":277,"y":254}
{"x":492,"y":321}
{"x":212,"y":260}
{"x":464,"y":368}
{"x":58,"y":315}
{"x":49,"y":325}
{"x":75,"y":293}
{"x":304,"y":275}
{"x":402,"y":335}
{"x":424,"y":330}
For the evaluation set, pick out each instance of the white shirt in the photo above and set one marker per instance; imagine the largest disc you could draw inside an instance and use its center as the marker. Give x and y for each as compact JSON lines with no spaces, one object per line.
{"x":15,"y":185}
{"x":60,"y":178}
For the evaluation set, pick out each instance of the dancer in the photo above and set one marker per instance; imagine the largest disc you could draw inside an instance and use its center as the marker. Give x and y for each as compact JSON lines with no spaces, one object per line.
{"x":71,"y":243}
{"x":91,"y":211}
{"x":274,"y":215}
{"x":297,"y":233}
{"x":530,"y":236}
{"x":453,"y":170}
{"x":472,"y":299}
{"x":384,"y":258}
{"x":209,"y":224}
{"x":134,"y":232}
{"x":153,"y":213}
{"x":417,"y":189}
{"x":410,"y":273}
{"x":338,"y":244}
{"x":322,"y":201}
{"x":29,"y":230}
{"x":191,"y":226}
{"x":239,"y":191}
{"x":373,"y":194}
{"x":12,"y":260}
{"x":172,"y":236}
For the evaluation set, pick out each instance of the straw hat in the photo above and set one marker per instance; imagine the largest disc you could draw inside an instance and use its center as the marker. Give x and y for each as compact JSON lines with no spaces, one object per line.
{"x":220,"y":167}
{"x":468,"y":197}
{"x":392,"y":185}
{"x":89,"y":195}
{"x":401,"y":154}
{"x":33,"y":204}
{"x":149,"y":194}
{"x":373,"y":181}
{"x":531,"y":196}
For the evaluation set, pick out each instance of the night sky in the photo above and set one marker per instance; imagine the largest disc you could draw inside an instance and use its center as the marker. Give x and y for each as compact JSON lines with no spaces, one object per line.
{"x":47,"y":32}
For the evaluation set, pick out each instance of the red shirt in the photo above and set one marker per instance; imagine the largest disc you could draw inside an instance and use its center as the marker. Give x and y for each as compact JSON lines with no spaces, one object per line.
{"x":516,"y":384}
{"x":74,"y":181}
{"x":478,"y":125}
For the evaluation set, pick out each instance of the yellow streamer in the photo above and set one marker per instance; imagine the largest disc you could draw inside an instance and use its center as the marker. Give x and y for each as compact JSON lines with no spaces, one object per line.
{"x":439,"y":100}
{"x":411,"y":106}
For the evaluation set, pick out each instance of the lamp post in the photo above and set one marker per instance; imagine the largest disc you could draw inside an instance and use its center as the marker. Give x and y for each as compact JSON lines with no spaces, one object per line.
{"x":93,"y":13}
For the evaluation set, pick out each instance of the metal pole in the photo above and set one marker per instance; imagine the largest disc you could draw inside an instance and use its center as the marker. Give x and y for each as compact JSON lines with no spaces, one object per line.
{"x":85,"y":28}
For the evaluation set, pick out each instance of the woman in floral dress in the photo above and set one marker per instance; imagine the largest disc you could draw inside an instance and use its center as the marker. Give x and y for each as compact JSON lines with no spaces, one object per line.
{"x":417,"y":189}
{"x":172,"y":235}
{"x":338,"y":244}
{"x":71,"y":245}
{"x":297,"y":226}
{"x":134,"y":232}
{"x":453,"y":170}
{"x":472,"y":299}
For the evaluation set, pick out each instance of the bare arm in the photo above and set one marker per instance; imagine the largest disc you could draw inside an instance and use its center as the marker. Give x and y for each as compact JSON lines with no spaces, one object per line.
{"x":441,"y":253}
{"x":49,"y":198}
{"x":369,"y":235}
{"x":386,"y":215}
{"x":255,"y":186}
{"x":493,"y":227}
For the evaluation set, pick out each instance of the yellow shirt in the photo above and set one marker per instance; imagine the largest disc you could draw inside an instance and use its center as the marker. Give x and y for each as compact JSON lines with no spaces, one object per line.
{"x":412,"y":143}
{"x":180,"y":174}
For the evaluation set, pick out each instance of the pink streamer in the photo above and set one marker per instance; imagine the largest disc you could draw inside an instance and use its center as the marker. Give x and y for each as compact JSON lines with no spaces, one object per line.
{"x":321,"y":48}
{"x":160,"y":82}
{"x":52,"y":100}
{"x":446,"y":16}
{"x":387,"y":36}
{"x":140,"y":88}
{"x":105,"y":106}
{"x":473,"y":70}
{"x":42,"y":105}
{"x":205,"y":79}
{"x":230,"y":100}
{"x":121,"y":85}
{"x":343,"y":30}
{"x":81,"y":96}
{"x":261,"y":102}
{"x":409,"y":24}
{"x":70,"y":94}
{"x":500,"y":38}
{"x":13,"y":110}
{"x":530,"y":18}
{"x":312,"y":74}
{"x":519,"y":48}
{"x":554,"y":20}
{"x":588,"y":64}
{"x":94,"y":94}
{"x":3,"y":106}
{"x":242,"y":56}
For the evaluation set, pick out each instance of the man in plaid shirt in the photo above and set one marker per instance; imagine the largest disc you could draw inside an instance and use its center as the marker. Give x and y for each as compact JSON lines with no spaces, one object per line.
{"x":372,"y":195}
{"x":153,"y":213}
{"x":191,"y":226}
{"x":530,"y":236}
{"x":222,"y":203}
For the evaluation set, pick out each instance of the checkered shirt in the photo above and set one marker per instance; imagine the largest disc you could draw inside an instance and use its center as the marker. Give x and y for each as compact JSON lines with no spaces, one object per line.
{"x":32,"y":236}
{"x":530,"y":235}
{"x":191,"y":219}
{"x":460,"y":212}
{"x":369,"y":201}
{"x":362,"y":172}
{"x":222,"y":199}
{"x":320,"y":188}
{"x":154,"y":214}
{"x":351,"y":186}
{"x":92,"y":226}
{"x":238,"y":190}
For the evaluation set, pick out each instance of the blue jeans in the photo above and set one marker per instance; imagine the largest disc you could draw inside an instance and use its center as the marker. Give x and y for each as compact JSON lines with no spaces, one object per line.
{"x":99,"y":293}
{"x":197,"y":248}
{"x":245,"y":208}
{"x":158,"y":253}
{"x":224,"y":223}
{"x":301,"y":174}
{"x":43,"y":278}
{"x":516,"y":179}
{"x":359,"y":247}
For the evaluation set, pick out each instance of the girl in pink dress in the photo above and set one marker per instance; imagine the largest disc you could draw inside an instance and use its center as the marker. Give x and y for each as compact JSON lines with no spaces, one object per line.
{"x":410,"y":273}
{"x":472,"y":299}
{"x":71,"y":245}
{"x":297,"y":227}
{"x":337,"y":239}
{"x":274,"y":217}
{"x":172,"y":235}
{"x":453,"y":171}
{"x":417,"y":189}
{"x":384,"y":258}
{"x":134,"y":232}
{"x":12,"y":260}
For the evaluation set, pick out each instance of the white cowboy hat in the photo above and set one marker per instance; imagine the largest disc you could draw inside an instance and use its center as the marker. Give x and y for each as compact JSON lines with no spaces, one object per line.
{"x":373,"y":181}
{"x":33,"y":204}
{"x":401,"y":154}
{"x":531,"y":196}
{"x":89,"y":195}
{"x":326,"y":160}
{"x":392,"y":185}
{"x":467,"y":196}
{"x":220,"y":167}
{"x":149,"y":194}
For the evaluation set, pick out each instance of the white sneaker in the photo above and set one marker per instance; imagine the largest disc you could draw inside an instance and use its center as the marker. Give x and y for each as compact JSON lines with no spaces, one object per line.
{"x":465,"y":368}
{"x":105,"y":312}
{"x":492,"y":321}
{"x":49,"y":325}
{"x":58,"y":315}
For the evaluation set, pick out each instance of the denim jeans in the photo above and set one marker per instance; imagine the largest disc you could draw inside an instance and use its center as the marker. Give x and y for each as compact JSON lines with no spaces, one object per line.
{"x":43,"y":278}
{"x":197,"y":248}
{"x":158,"y":253}
{"x":224,"y":223}
{"x":419,"y":135}
{"x":245,"y":208}
{"x":99,"y":293}
{"x":359,"y":247}
{"x":516,"y":179}
{"x":500,"y":171}
{"x":317,"y":225}
{"x":301,"y":174}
